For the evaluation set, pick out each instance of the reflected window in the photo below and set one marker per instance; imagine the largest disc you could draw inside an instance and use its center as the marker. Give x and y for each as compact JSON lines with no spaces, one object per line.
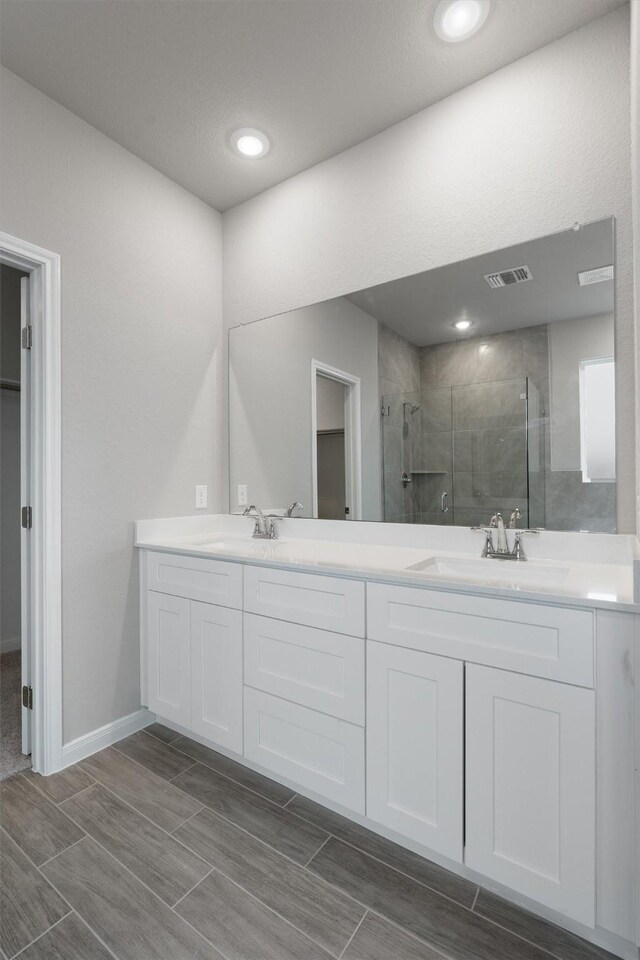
{"x":597,"y":420}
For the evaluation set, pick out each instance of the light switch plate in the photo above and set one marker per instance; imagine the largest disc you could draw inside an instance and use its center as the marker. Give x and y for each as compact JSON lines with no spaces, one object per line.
{"x":201,"y":497}
{"x":242,"y":495}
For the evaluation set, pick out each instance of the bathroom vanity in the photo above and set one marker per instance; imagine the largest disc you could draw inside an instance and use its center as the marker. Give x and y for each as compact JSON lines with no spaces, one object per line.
{"x":482,"y":717}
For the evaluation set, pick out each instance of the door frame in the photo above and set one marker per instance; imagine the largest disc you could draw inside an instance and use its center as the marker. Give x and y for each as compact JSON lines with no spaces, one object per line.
{"x":45,"y":594}
{"x":352,"y":435}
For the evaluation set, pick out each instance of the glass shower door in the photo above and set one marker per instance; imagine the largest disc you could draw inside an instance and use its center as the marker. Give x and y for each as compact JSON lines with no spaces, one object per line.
{"x":490,"y":451}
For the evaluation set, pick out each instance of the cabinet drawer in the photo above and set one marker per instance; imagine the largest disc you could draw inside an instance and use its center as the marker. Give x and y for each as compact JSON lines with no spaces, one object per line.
{"x":552,"y":642}
{"x":312,"y":667}
{"x":319,"y":752}
{"x":210,"y":581}
{"x":315,"y":601}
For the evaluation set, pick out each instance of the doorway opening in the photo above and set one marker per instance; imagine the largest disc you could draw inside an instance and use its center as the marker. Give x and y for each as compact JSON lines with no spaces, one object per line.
{"x":15,"y":732}
{"x":30,"y":509}
{"x":336,"y":443}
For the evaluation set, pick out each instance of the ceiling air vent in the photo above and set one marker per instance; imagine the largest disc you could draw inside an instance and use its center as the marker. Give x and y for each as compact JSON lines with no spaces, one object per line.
{"x":506,"y":278}
{"x":595,"y":276}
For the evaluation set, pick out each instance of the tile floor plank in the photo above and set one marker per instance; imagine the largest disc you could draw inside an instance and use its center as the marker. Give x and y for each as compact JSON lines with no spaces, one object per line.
{"x":68,"y":940}
{"x":163,"y":733}
{"x":456,"y":931}
{"x":235,"y":771}
{"x":150,"y":795}
{"x":28,"y":903}
{"x":156,"y":756}
{"x":427,"y":872}
{"x":376,"y":939}
{"x":155,"y":857}
{"x":324,"y":914}
{"x":289,"y":834}
{"x":36,"y":824}
{"x":559,"y":942}
{"x":214,"y":907}
{"x":132,"y":921}
{"x":60,"y":786}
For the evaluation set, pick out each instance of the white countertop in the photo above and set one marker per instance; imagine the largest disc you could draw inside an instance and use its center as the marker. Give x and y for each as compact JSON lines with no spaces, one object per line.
{"x":558,"y":578}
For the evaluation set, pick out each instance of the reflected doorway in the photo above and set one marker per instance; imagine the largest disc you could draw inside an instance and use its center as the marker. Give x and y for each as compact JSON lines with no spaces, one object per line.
{"x":336,"y":443}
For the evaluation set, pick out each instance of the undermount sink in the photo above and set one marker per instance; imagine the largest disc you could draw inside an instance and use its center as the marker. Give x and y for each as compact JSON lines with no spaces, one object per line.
{"x":514,"y":572}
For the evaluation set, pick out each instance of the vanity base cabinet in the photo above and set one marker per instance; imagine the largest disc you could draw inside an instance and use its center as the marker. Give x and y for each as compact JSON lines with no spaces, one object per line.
{"x":415,"y":745}
{"x":319,"y":752}
{"x":168,"y":674}
{"x":478,"y":727}
{"x":530,"y":787}
{"x":216,"y":674}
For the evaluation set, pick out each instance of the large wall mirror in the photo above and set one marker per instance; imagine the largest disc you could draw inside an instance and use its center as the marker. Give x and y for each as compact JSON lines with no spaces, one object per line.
{"x":440,"y":398}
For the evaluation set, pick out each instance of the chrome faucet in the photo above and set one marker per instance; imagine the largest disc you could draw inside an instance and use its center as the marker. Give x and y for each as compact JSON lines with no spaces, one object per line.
{"x":265,"y":528}
{"x":294,"y":506}
{"x":498,"y":523}
{"x":501,"y":551}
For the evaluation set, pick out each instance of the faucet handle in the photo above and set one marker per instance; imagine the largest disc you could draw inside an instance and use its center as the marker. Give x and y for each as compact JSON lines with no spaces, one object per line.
{"x":518,"y":549}
{"x":515,"y":516}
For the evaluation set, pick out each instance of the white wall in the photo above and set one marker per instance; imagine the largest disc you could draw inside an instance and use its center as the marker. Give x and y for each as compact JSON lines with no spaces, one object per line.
{"x":141,"y":368}
{"x":635,"y":171}
{"x":270,"y":401}
{"x":522,"y":153}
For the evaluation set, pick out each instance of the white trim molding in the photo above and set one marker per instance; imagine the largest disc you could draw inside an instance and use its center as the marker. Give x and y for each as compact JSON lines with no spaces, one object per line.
{"x":96,"y":740}
{"x":352,"y":435}
{"x":45,"y":594}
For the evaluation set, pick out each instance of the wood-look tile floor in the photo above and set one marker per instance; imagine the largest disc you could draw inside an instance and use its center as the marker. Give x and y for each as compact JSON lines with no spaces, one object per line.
{"x":161,"y":849}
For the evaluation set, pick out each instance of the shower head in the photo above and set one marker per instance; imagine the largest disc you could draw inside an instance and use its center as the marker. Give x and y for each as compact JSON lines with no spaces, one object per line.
{"x":413,"y":407}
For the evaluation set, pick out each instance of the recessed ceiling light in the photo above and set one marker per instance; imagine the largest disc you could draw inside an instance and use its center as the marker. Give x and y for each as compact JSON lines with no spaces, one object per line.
{"x":250,"y":143}
{"x":456,"y":20}
{"x":462,"y":324}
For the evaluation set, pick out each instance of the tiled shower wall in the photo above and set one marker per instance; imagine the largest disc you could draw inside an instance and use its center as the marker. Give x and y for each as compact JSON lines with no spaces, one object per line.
{"x":399,"y":372}
{"x":485,"y":431}
{"x":469,"y":393}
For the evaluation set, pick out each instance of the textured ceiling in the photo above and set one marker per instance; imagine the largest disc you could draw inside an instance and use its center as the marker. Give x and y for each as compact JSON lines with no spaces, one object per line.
{"x":171,"y":79}
{"x":423,"y":307}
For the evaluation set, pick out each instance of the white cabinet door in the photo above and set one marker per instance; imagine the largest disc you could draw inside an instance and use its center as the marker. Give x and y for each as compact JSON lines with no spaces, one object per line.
{"x":168,"y":653}
{"x":319,"y":752}
{"x":530,"y":787}
{"x":216,"y":674}
{"x":315,"y":668}
{"x":415,"y":745}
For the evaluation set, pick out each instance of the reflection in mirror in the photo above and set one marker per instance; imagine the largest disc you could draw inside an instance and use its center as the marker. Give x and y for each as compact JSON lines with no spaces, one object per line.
{"x":441,"y":398}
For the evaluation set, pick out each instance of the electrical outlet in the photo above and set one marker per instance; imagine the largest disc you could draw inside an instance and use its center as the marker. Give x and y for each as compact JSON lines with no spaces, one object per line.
{"x":242,"y":495}
{"x":201,"y":497}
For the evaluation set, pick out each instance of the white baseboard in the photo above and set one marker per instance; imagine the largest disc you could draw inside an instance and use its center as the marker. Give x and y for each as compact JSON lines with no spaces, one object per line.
{"x":96,"y":740}
{"x":10,"y":644}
